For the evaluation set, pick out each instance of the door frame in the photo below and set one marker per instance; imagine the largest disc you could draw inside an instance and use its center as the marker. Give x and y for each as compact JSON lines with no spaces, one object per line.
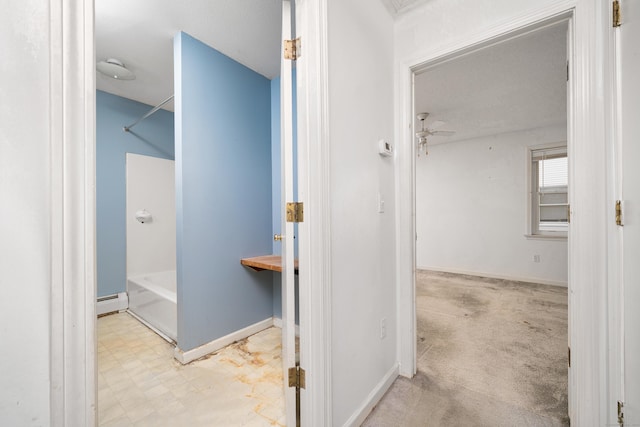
{"x":592,"y":374}
{"x":72,"y":98}
{"x":314,"y":246}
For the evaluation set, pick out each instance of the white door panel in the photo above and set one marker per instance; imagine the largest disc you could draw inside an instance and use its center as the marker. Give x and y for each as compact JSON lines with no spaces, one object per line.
{"x":288,"y":284}
{"x":629,"y":75}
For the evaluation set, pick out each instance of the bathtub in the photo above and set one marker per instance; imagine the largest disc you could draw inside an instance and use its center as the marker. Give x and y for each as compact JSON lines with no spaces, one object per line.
{"x":152,"y":298}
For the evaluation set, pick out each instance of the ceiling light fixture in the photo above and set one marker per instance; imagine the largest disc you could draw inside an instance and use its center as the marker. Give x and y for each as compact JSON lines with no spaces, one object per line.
{"x":423,"y":133}
{"x":115,"y":69}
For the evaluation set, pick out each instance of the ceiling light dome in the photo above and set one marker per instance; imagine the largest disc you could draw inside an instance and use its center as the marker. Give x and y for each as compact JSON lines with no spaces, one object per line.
{"x":115,"y":69}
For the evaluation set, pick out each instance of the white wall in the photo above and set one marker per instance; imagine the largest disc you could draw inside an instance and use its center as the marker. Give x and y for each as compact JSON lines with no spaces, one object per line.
{"x":362,"y":240}
{"x":151,"y":247}
{"x":471,"y":209}
{"x":25,"y":214}
{"x":439,"y":23}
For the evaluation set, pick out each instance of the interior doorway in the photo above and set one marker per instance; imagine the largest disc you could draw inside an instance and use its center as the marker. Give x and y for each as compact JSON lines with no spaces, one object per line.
{"x":435,"y":251}
{"x":205,"y":335}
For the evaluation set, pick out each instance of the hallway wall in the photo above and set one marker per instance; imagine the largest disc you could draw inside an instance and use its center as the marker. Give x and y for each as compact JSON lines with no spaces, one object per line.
{"x":25,"y":213}
{"x":362,"y":239}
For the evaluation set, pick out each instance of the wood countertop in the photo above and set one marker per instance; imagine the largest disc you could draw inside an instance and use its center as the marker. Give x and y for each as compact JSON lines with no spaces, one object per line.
{"x":266,"y":262}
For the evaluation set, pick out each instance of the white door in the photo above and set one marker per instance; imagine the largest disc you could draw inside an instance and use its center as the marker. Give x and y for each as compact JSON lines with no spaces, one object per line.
{"x":629,"y":103}
{"x":288,"y":279}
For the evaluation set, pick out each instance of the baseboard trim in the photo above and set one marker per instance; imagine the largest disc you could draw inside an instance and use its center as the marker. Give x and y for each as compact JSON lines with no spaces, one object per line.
{"x":374,"y":397}
{"x":496,"y":276}
{"x":112,"y":303}
{"x":188,"y":356}
{"x":277,"y":322}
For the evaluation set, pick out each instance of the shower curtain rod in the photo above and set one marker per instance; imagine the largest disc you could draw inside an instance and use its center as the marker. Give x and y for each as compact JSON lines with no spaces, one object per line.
{"x":153,"y":110}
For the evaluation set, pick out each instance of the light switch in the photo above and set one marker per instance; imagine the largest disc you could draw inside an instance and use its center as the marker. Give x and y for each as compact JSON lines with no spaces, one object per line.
{"x":380,"y":203}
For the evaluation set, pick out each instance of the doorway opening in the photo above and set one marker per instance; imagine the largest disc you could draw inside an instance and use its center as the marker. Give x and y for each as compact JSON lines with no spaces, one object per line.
{"x":485,"y":221}
{"x":225,"y":329}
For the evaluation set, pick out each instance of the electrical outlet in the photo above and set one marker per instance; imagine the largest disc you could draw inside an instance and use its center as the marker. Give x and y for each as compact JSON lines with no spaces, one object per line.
{"x":383,"y":328}
{"x":536,"y":258}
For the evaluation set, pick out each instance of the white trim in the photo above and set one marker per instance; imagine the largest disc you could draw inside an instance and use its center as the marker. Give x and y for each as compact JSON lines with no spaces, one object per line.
{"x":314,"y":246}
{"x":277,"y":322}
{"x":559,"y":236}
{"x":496,"y":276}
{"x":358,"y":417}
{"x":112,"y":303}
{"x":616,"y":295}
{"x":286,"y":186}
{"x":73,"y":286}
{"x":185,"y":357}
{"x":588,"y":143}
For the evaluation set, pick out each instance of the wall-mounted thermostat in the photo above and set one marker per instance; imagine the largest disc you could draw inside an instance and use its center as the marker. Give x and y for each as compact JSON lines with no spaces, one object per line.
{"x":385,"y":148}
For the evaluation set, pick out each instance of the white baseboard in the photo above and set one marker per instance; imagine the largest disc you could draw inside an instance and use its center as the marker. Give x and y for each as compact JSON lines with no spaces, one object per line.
{"x":277,"y":322}
{"x":112,"y":303}
{"x":185,"y":357}
{"x":374,"y":397}
{"x":497,"y":276}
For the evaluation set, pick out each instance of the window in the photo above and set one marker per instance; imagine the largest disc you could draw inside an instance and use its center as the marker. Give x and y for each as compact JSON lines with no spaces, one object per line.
{"x":549,"y":191}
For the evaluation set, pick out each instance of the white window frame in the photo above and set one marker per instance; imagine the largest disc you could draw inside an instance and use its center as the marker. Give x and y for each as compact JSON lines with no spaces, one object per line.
{"x":558,"y":232}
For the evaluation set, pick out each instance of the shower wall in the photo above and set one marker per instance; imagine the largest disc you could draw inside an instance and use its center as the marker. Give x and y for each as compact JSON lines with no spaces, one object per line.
{"x":151,"y":245}
{"x":152,"y":137}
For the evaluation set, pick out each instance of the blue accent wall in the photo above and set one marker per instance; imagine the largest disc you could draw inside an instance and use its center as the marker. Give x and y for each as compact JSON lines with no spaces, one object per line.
{"x":152,"y":137}
{"x":223,"y":192}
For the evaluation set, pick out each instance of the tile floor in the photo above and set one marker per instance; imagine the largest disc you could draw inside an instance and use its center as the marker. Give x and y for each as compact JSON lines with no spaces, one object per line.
{"x":141,"y":384}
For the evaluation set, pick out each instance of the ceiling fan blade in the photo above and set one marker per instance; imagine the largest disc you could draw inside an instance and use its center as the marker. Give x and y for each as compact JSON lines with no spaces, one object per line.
{"x":435,"y":125}
{"x":442,"y":132}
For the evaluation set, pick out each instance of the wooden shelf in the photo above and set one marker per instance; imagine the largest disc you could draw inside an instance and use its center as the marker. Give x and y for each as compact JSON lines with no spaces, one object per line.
{"x":266,"y":262}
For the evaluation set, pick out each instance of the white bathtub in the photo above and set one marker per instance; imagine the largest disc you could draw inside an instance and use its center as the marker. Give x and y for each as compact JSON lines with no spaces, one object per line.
{"x":153,"y":299}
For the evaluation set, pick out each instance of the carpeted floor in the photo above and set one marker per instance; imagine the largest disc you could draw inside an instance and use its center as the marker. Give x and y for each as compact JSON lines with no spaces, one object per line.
{"x":490,"y":353}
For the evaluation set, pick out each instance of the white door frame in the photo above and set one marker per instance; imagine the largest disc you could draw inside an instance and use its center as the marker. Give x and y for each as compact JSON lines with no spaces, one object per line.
{"x":73,"y":385}
{"x":589,"y":143}
{"x":314,"y":247}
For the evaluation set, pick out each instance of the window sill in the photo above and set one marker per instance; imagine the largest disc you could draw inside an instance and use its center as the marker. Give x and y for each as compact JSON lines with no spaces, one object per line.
{"x":546,"y":237}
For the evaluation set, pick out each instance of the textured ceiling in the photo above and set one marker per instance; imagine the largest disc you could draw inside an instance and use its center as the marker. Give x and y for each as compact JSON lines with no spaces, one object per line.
{"x":515,"y":85}
{"x":140,"y":34}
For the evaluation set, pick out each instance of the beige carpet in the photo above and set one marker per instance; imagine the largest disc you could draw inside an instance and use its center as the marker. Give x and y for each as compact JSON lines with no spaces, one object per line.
{"x":490,"y":353}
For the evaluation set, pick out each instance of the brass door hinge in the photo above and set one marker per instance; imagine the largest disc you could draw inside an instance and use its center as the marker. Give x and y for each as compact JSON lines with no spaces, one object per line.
{"x":569,"y":355}
{"x":292,"y":49}
{"x":616,"y":13}
{"x":619,"y":213}
{"x":295,"y":212}
{"x":620,"y":413}
{"x":297,"y":377}
{"x":568,"y":214}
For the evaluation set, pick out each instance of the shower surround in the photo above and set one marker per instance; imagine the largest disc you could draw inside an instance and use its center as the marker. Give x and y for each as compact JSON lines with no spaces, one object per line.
{"x":151,"y":243}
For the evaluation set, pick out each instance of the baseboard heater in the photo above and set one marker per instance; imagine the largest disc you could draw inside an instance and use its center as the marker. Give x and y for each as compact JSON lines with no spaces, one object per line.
{"x":112,"y":303}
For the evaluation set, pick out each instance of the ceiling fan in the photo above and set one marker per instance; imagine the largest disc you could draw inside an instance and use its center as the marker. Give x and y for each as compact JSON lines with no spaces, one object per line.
{"x":423,"y":133}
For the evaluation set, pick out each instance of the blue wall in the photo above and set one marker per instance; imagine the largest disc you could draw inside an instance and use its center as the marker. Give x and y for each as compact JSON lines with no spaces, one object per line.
{"x":223,"y":193}
{"x":152,"y":137}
